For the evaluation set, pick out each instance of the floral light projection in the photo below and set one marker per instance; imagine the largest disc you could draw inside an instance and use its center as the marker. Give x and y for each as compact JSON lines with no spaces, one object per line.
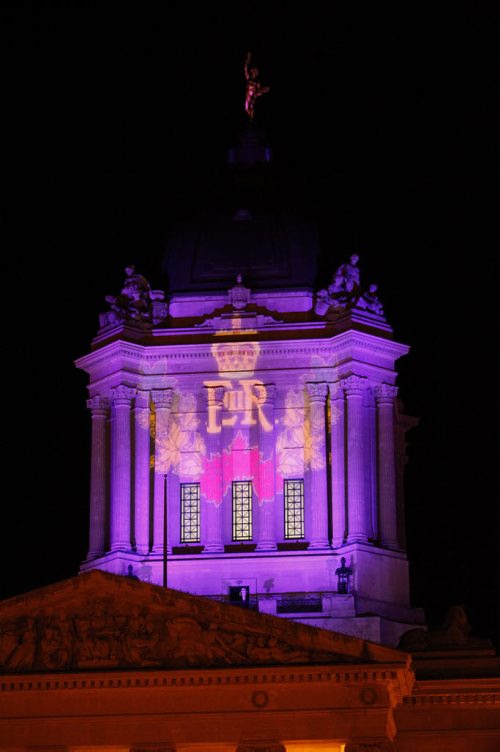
{"x":181,"y":447}
{"x":290,"y":441}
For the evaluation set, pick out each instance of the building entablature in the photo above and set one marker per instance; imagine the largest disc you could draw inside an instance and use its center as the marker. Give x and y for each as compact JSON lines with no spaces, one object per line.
{"x":332,"y":359}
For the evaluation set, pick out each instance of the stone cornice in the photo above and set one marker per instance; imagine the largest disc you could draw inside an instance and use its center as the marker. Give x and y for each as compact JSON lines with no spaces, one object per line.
{"x":200,"y":352}
{"x":455,"y":698}
{"x":397,"y":679}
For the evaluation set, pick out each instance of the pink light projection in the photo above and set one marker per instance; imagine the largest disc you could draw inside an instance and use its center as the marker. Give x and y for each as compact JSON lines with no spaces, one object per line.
{"x":238,"y":461}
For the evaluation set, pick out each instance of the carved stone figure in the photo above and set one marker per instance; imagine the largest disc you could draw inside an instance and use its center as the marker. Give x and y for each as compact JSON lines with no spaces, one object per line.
{"x":345,"y":292}
{"x":98,"y":635}
{"x":140,"y":638}
{"x":369,"y":301}
{"x":24,"y":654}
{"x":239,"y":296}
{"x":8,"y":642}
{"x":453,"y":634}
{"x":56,"y":642}
{"x":137,"y":303}
{"x":346,"y":278}
{"x":254,"y":87}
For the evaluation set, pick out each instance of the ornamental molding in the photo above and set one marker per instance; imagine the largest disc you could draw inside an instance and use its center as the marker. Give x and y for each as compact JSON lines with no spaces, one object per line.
{"x":99,"y":405}
{"x":359,"y":674}
{"x":155,"y":353}
{"x":458,"y":698}
{"x":317,"y":390}
{"x":122,"y":395}
{"x":215,"y":396}
{"x":385,"y":392}
{"x":354,"y":384}
{"x":261,"y":747}
{"x":375,"y":747}
{"x":265,"y":393}
{"x":162,"y":398}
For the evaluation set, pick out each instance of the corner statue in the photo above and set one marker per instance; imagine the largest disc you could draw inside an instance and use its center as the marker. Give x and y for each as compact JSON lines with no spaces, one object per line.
{"x":254,"y":89}
{"x":137,"y":303}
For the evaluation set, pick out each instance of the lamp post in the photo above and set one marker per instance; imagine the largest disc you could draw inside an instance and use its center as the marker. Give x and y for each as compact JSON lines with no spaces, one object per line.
{"x":165,"y":530}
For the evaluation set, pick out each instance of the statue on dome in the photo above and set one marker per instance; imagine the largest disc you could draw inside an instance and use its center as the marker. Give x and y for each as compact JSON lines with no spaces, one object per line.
{"x":254,"y":87}
{"x":345,"y":292}
{"x":346,"y":278}
{"x":137,"y":303}
{"x":369,"y":301}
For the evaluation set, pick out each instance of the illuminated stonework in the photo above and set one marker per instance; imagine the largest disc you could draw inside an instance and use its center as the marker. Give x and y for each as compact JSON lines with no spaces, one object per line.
{"x":270,"y":444}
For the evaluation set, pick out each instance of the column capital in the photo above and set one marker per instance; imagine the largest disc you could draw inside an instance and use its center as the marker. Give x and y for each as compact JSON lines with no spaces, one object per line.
{"x":215,"y":396}
{"x":336,"y":390}
{"x":142,"y":400}
{"x":98,"y":405}
{"x":317,"y":390}
{"x":353,"y":384}
{"x":162,"y":398}
{"x":122,"y":395}
{"x":385,"y":392}
{"x":264,"y":393}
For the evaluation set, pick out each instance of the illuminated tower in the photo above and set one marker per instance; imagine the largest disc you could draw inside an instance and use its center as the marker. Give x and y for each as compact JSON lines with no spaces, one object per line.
{"x":262,"y":415}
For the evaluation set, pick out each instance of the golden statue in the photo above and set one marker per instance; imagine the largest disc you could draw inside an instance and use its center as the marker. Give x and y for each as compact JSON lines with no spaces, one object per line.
{"x":254,"y":89}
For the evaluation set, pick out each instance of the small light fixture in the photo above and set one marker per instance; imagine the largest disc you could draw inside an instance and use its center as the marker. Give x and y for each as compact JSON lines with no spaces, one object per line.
{"x":343,"y":573}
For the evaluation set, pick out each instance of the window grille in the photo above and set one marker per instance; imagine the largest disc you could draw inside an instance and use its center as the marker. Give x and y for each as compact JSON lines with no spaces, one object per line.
{"x":190,"y":512}
{"x":294,"y":509}
{"x":242,"y":510}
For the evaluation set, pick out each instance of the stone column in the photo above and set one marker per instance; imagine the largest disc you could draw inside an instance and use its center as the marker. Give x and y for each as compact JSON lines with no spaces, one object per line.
{"x":122,"y":397}
{"x":212,"y":522}
{"x":357,"y":512}
{"x":265,"y":395}
{"x":162,"y":400}
{"x":337,"y":432}
{"x":318,"y":538}
{"x":142,"y":472}
{"x":388,"y":524}
{"x":99,"y":407}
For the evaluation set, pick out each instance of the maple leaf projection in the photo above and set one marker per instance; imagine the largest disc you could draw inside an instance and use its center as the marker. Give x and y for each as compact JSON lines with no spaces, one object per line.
{"x":238,"y":461}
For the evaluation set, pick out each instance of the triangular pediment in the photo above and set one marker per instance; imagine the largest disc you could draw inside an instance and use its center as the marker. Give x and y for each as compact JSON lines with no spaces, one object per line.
{"x":100,"y":621}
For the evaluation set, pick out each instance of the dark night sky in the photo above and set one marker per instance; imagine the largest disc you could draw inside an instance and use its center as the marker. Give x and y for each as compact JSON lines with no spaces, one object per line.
{"x":383,"y":126}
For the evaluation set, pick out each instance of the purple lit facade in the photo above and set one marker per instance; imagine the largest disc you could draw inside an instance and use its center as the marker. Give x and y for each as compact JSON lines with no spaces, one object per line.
{"x":279,"y":439}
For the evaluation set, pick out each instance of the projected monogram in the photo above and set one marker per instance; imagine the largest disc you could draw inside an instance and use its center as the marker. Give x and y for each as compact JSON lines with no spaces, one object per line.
{"x":241,"y":401}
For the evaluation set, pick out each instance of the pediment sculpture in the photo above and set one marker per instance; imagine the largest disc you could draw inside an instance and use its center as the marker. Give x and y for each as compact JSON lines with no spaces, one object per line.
{"x":100,"y":620}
